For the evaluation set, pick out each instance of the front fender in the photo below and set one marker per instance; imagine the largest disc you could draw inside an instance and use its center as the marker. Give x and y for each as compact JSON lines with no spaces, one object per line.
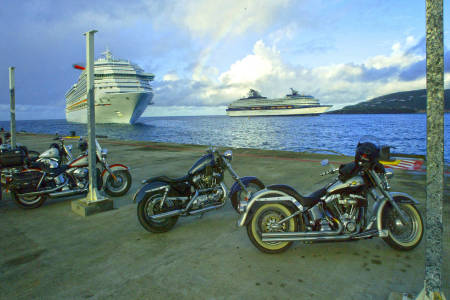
{"x":399,"y":198}
{"x":245,"y":180}
{"x":113,"y":168}
{"x":262,"y":196}
{"x":149,"y":187}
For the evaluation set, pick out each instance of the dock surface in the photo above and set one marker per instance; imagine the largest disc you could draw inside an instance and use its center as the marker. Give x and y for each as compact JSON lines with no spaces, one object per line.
{"x":52,"y":253}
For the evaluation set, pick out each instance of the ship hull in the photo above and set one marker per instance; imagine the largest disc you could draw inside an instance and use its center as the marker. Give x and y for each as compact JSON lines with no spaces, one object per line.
{"x":303,"y":111}
{"x":122,"y":108}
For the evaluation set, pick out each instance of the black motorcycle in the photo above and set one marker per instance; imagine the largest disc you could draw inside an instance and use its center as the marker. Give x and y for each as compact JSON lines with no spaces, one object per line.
{"x":279,"y":215}
{"x":161,"y":200}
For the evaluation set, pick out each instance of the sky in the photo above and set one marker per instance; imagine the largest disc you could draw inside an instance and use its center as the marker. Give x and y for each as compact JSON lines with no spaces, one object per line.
{"x":207,"y":53}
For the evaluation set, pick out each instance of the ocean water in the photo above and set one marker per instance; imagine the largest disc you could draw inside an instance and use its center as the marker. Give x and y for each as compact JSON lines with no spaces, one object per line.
{"x":406,"y":133}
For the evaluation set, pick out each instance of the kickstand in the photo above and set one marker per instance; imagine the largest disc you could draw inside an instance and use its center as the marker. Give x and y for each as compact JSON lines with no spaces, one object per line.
{"x":201,"y":215}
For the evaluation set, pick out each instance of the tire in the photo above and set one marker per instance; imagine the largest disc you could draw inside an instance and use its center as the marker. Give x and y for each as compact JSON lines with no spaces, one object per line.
{"x":402,"y":237}
{"x":29,"y":202}
{"x":253,"y":185}
{"x":149,"y":206}
{"x":260,"y":219}
{"x":120,"y":186}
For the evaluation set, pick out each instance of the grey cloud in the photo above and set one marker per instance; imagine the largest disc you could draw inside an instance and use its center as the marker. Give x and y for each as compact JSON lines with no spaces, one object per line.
{"x":419,"y":48}
{"x":383,"y":74}
{"x":414,"y":71}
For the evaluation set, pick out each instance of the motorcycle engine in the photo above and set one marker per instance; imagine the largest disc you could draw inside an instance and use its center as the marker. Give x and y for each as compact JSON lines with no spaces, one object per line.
{"x":207,"y":179}
{"x":209,"y":198}
{"x":81,"y":173}
{"x":82,"y":176}
{"x":346,"y":208}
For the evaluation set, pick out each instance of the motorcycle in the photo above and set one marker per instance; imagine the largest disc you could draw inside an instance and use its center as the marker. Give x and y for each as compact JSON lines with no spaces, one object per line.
{"x":278,"y":215}
{"x":47,"y":178}
{"x":161,"y":200}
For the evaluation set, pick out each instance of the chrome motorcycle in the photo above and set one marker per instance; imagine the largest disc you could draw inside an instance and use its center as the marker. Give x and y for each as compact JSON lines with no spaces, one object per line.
{"x":47,"y":178}
{"x":161,"y":200}
{"x":279,"y":215}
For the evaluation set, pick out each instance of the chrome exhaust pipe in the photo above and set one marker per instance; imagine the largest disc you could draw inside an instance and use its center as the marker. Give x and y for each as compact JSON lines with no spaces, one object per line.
{"x":67,"y":193}
{"x":43,"y":191}
{"x":181,"y":211}
{"x":345,"y":237}
{"x":308,"y":234}
{"x":307,"y":239}
{"x":168,"y":214}
{"x":199,"y":211}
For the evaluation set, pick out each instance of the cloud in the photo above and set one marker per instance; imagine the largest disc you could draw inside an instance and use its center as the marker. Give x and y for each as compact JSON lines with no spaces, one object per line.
{"x":265,"y":70}
{"x":227,"y":17}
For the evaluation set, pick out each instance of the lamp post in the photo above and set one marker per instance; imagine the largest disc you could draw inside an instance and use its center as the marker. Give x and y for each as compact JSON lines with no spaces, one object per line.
{"x":12,"y":107}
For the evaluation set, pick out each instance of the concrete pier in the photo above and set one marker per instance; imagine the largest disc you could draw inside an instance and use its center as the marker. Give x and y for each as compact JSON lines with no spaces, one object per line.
{"x":52,"y":253}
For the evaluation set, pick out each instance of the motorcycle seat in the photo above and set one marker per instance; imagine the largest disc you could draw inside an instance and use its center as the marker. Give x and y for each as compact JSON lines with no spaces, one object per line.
{"x":170,"y":180}
{"x":307,"y":201}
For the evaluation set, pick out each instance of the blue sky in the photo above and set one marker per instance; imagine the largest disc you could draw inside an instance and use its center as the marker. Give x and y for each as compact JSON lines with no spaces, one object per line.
{"x":207,"y":53}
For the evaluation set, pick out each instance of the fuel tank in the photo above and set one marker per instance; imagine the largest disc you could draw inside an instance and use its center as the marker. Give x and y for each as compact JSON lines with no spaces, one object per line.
{"x":202,"y":163}
{"x":81,"y":161}
{"x":349,"y":185}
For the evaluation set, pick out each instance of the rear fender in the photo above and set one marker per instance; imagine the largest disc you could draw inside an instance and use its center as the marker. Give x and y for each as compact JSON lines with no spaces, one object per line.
{"x":148,"y":188}
{"x":267,"y":195}
{"x":113,"y":168}
{"x":399,"y":198}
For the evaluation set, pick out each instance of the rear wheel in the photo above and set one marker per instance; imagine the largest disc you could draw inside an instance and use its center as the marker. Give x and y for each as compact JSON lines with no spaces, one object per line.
{"x":264,"y":220}
{"x":29,"y":201}
{"x":402,"y":236}
{"x":150,"y":206}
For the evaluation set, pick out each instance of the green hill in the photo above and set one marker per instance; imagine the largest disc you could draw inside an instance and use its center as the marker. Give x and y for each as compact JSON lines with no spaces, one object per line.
{"x":396,"y":103}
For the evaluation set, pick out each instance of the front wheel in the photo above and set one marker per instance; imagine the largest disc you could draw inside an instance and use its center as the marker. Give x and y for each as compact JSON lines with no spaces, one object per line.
{"x":252,"y":185}
{"x":402,"y":236}
{"x":265,"y":219}
{"x":119,"y":185}
{"x":29,"y":201}
{"x":150,"y":206}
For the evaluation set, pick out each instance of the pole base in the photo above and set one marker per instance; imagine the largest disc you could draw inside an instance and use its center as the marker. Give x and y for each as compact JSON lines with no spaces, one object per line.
{"x":421,"y":296}
{"x":435,"y":296}
{"x":93,"y":203}
{"x":84,"y":209}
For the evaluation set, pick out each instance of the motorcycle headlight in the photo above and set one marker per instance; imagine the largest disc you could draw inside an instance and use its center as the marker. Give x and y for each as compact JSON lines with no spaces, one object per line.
{"x":104,"y":152}
{"x":228,"y":155}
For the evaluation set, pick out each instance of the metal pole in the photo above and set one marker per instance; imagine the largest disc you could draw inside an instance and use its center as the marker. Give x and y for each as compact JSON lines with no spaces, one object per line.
{"x":92,"y":195}
{"x":435,"y":150}
{"x":13,"y":107}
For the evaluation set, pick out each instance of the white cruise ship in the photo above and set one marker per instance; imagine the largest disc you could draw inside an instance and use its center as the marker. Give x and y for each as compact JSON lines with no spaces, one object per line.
{"x":292,"y":104}
{"x":122,"y":92}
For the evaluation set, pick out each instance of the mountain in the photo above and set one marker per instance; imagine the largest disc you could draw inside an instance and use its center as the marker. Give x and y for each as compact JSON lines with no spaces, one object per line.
{"x":396,"y":103}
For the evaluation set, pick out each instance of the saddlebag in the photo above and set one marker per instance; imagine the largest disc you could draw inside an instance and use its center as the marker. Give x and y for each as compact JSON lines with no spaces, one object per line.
{"x":25,"y":182}
{"x":10,"y":159}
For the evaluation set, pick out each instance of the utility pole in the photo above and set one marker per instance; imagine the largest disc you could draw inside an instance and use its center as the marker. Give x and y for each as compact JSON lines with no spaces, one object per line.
{"x":94,"y":201}
{"x":92,"y":195}
{"x":435,"y":151}
{"x":12,"y":94}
